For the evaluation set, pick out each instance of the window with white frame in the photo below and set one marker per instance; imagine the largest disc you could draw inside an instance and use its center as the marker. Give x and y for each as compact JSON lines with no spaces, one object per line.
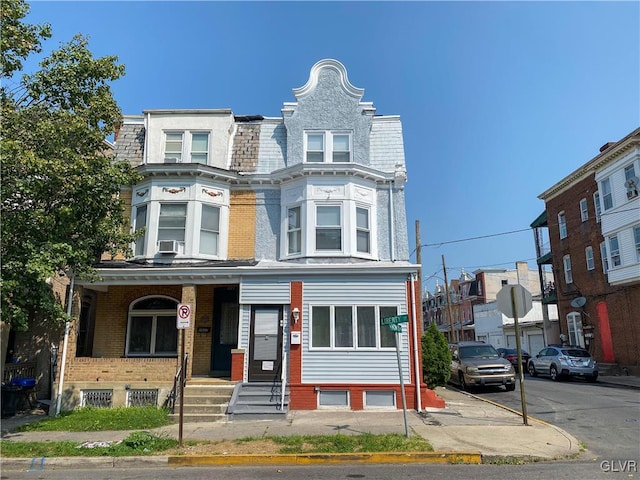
{"x":614,"y":251}
{"x":588,"y":253}
{"x":200,"y":147}
{"x":562,"y":224}
{"x":351,"y":327}
{"x":636,"y":239}
{"x":603,"y":256}
{"x":584,"y":210}
{"x":363,"y":232}
{"x":173,"y":146}
{"x":607,"y":196}
{"x":328,"y":228}
{"x":327,"y":146}
{"x":209,"y":230}
{"x":596,"y":204}
{"x":139,"y":227}
{"x":294,"y":231}
{"x":574,"y":327}
{"x":568,"y":276}
{"x":629,"y":172}
{"x":195,"y":143}
{"x":151,"y":328}
{"x":172,"y":222}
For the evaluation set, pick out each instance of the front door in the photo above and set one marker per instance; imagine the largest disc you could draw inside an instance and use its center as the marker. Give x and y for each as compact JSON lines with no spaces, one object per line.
{"x":265,"y":351}
{"x":225,"y":329}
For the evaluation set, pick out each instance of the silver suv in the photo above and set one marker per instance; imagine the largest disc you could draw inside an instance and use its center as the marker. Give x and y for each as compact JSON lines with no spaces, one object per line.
{"x":479,"y":364}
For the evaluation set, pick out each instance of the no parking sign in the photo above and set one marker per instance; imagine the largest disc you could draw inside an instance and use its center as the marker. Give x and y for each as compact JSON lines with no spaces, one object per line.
{"x":184,"y":316}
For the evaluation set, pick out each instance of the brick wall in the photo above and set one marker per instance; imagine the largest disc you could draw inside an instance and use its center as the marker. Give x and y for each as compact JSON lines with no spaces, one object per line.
{"x":242,"y":221}
{"x":622,"y":302}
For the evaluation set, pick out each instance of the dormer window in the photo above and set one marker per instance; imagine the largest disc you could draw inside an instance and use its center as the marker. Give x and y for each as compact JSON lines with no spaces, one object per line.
{"x":328,"y":146}
{"x":186,"y":146}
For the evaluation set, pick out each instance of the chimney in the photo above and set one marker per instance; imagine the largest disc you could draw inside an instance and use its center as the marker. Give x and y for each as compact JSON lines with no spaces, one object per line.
{"x":605,"y":146}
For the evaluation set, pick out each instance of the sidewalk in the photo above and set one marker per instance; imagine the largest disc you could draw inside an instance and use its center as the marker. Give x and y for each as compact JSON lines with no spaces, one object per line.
{"x":468,"y":428}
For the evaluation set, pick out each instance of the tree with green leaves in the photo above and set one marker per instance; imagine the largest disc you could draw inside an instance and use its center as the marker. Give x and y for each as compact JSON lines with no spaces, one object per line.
{"x":60,"y":205}
{"x":436,"y":357}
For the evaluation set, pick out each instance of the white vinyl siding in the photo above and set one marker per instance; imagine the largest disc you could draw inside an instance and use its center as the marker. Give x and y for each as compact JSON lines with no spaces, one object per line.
{"x":356,"y":365}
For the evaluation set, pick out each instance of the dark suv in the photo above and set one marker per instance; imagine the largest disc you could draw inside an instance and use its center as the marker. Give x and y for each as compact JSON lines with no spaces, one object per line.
{"x":478,"y":364}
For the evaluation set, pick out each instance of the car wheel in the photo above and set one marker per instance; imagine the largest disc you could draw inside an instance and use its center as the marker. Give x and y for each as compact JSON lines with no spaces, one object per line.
{"x":532,"y":370}
{"x":553,"y":373}
{"x":593,"y":378}
{"x":510,"y":387}
{"x":463,"y":384}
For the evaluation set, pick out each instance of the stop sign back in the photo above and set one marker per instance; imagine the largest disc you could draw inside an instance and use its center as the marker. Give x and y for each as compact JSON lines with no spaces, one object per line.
{"x":523,"y":301}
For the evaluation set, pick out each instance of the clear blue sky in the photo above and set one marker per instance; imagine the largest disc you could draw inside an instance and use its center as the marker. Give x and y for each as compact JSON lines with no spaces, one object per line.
{"x":499,"y":100}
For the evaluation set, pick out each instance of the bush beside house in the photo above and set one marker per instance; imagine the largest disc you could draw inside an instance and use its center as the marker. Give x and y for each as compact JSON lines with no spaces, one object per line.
{"x":436,"y":357}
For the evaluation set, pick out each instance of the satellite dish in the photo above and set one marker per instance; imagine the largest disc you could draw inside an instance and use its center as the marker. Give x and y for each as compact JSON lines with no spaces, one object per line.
{"x":578,"y":302}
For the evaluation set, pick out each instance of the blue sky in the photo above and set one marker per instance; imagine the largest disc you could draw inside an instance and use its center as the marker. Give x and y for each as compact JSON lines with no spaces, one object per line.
{"x":499,"y":100}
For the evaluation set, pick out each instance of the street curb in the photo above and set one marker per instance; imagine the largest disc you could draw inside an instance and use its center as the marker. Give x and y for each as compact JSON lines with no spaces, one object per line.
{"x":324,"y":458}
{"x":46,"y":463}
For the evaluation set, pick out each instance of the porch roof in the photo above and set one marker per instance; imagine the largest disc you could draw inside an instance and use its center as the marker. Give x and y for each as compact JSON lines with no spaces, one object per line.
{"x":212,"y":272}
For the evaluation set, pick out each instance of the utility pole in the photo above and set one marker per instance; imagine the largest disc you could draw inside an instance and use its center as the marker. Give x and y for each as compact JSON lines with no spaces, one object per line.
{"x":419,"y":262}
{"x":446,"y":289}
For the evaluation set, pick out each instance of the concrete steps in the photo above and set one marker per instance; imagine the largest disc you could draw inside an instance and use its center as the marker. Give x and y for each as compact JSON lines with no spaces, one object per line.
{"x":204,"y":402}
{"x":257,"y":401}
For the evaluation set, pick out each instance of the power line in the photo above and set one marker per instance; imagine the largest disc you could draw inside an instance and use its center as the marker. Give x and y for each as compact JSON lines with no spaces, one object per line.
{"x":476,"y":238}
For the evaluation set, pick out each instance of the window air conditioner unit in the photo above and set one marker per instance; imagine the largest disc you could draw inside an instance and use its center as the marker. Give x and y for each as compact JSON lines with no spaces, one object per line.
{"x":168,"y":246}
{"x":170,"y":160}
{"x":632,"y":184}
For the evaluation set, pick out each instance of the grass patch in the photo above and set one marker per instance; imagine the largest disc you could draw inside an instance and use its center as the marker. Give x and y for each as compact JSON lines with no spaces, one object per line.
{"x":138,"y":443}
{"x":90,"y":419}
{"x":349,"y":443}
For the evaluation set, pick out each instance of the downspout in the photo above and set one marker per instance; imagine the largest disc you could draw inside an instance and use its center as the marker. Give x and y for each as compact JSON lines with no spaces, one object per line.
{"x":392,"y":221}
{"x":146,"y":138}
{"x":67,"y":328}
{"x":416,"y":360}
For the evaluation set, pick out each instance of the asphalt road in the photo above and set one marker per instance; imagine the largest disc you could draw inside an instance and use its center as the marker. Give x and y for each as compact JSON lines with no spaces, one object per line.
{"x":605,"y":417}
{"x":589,"y":470}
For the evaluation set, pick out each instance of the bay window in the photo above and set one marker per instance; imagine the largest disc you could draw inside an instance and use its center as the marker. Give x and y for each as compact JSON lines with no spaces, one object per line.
{"x":172,"y":222}
{"x":607,"y":196}
{"x":294,"y":231}
{"x":139,"y":226}
{"x":614,"y":251}
{"x":209,"y":230}
{"x":328,"y":227}
{"x":363,"y":233}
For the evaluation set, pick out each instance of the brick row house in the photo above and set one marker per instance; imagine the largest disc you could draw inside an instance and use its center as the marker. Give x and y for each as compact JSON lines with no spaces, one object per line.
{"x":287,"y":240}
{"x":589,"y":238}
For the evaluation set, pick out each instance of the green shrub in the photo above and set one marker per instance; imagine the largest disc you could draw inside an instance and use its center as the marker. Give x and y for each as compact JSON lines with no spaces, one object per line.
{"x":436,"y":357}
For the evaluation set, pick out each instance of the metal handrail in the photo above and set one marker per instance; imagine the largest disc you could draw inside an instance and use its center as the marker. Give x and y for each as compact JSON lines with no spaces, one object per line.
{"x":179,"y":379}
{"x":283,"y":379}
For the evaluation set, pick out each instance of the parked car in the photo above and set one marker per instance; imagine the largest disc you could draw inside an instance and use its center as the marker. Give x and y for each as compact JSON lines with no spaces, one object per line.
{"x":562,"y":362}
{"x":478,"y":364}
{"x":511,"y":354}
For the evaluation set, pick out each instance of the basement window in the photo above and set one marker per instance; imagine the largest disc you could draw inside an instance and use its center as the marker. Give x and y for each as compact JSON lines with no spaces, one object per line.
{"x":379,"y":398}
{"x":333,"y":398}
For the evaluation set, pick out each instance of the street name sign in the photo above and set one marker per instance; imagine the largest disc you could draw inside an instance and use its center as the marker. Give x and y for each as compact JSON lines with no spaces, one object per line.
{"x":394,"y":319}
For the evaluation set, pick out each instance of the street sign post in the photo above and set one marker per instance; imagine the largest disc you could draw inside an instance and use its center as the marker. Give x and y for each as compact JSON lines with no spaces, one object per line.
{"x":394,"y":323}
{"x":515,"y":301}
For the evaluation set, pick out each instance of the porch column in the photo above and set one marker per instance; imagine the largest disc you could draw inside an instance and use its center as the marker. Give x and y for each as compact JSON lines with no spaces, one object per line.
{"x":188,"y":298}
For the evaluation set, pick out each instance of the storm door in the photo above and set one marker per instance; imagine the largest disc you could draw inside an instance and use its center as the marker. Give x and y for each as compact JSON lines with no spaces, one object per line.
{"x":265,"y":351}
